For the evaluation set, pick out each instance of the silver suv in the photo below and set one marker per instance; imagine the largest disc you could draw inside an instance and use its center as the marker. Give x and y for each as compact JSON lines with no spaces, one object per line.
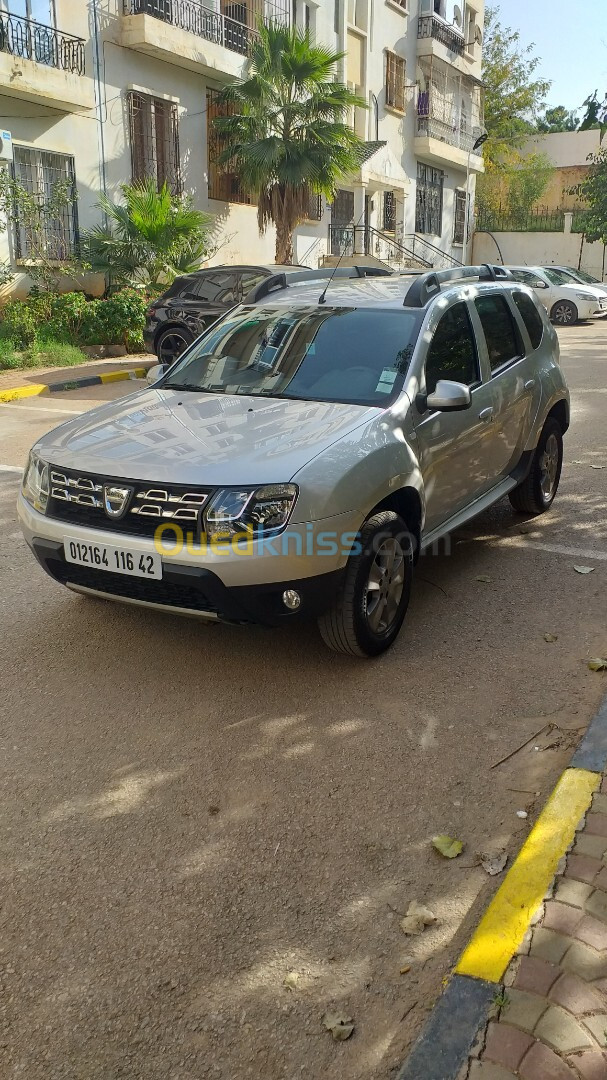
{"x":303,"y":451}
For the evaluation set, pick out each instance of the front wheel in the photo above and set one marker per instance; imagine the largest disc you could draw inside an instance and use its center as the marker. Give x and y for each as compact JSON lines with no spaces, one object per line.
{"x":536,"y":493}
{"x":171,"y":343}
{"x":369,"y":610}
{"x":564,"y":313}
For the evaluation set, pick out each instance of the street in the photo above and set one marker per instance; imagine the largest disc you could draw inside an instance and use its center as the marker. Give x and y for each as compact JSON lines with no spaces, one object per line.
{"x":193,"y":814}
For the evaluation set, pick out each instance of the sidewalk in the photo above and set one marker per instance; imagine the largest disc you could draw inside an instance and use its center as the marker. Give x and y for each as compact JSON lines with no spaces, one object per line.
{"x":551,"y":1022}
{"x":29,"y":377}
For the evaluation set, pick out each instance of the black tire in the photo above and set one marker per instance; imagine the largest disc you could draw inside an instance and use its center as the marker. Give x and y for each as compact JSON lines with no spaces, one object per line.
{"x":347,"y":627}
{"x":534,"y":495}
{"x":564,"y":313}
{"x":171,"y":342}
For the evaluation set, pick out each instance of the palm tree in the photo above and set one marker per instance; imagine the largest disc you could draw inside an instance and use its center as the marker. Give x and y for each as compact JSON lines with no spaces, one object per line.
{"x":286,"y":133}
{"x":149,"y":239}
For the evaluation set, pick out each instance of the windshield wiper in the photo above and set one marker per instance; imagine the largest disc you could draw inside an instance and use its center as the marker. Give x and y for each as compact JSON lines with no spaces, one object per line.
{"x":192,"y":387}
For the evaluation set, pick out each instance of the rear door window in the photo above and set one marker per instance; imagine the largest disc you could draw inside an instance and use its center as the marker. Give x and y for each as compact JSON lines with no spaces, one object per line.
{"x":217,"y":288}
{"x":531,"y":317}
{"x":503,"y":343}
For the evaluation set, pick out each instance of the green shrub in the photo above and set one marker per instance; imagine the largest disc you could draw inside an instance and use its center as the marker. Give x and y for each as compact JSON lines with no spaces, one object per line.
{"x":66,"y":316}
{"x":116,"y":321}
{"x":71,"y":318}
{"x":9,"y":358}
{"x":49,"y":353}
{"x":22,"y":319}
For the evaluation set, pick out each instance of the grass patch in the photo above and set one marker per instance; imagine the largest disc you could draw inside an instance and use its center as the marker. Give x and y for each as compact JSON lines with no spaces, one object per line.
{"x":39,"y":354}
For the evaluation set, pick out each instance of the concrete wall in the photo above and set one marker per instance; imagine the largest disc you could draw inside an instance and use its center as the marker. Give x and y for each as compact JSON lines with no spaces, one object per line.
{"x":539,"y":249}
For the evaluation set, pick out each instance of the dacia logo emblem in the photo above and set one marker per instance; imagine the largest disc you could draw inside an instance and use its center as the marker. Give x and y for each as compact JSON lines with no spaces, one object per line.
{"x":115,"y":499}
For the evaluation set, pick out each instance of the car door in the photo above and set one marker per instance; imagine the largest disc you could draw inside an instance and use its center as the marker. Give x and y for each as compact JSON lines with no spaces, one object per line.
{"x":515,"y":382}
{"x":545,"y":292}
{"x":453,"y":446}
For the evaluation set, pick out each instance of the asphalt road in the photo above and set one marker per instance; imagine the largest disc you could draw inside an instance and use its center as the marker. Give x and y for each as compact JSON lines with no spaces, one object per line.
{"x":193,"y":813}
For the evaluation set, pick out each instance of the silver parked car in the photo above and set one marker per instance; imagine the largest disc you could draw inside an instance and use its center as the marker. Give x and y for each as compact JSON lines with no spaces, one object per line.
{"x":300,"y":454}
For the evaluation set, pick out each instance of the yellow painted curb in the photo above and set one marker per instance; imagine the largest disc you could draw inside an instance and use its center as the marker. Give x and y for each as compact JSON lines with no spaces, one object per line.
{"x":23,"y":391}
{"x":115,"y":376}
{"x":506,"y":920}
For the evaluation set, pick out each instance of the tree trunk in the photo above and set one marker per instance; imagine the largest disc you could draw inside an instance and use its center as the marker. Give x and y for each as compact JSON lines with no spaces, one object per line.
{"x":284,"y":244}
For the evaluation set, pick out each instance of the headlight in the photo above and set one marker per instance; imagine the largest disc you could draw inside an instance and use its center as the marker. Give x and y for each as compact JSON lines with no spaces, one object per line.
{"x":35,"y":485}
{"x":263,"y":511}
{"x":586,"y":296}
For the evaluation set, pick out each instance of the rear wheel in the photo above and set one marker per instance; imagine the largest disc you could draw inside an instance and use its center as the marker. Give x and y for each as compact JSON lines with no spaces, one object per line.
{"x":171,"y":343}
{"x":369,"y":610}
{"x":536,"y":493}
{"x":564,"y":313}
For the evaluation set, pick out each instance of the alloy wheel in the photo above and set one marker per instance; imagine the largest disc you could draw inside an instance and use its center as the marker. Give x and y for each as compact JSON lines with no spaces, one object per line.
{"x":171,"y":346}
{"x":385,"y":586}
{"x":549,"y":465}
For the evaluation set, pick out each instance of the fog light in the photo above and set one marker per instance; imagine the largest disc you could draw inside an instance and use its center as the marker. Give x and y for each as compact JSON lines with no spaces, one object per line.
{"x":291,"y":599}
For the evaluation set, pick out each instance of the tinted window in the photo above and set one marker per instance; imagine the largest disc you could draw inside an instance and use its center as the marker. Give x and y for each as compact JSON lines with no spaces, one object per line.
{"x":452,"y":352}
{"x":526,"y":276}
{"x":310,"y":353}
{"x":499,"y":329}
{"x":530,"y":316}
{"x":218,"y":288}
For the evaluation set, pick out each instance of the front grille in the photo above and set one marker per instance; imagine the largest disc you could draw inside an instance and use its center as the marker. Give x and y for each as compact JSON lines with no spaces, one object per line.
{"x":78,"y":498}
{"x":151,"y":592}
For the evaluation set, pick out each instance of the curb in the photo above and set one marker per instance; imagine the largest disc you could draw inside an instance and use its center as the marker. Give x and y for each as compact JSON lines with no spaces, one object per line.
{"x":36,"y":389}
{"x":443,"y":1047}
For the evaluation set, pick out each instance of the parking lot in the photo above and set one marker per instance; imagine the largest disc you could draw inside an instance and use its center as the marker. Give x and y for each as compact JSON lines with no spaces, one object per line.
{"x":194,"y":813}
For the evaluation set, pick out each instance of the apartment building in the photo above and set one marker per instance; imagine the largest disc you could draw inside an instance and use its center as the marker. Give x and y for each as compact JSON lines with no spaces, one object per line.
{"x":98,"y":92}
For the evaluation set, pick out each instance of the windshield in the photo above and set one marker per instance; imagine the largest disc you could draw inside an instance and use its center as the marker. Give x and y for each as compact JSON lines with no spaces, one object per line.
{"x":581,"y":275}
{"x":557,"y":277}
{"x":313,"y":353}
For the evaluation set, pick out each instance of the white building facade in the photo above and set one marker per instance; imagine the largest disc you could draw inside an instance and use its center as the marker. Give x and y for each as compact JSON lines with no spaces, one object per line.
{"x":104,"y":91}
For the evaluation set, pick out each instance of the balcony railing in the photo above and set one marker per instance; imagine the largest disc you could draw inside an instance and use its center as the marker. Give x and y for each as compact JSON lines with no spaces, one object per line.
{"x":33,"y":41}
{"x":232,"y":31}
{"x":431,"y":26}
{"x":455,"y":134}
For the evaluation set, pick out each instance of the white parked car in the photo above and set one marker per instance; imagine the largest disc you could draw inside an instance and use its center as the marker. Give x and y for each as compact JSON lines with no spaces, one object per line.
{"x":566,"y":301}
{"x":580,"y":277}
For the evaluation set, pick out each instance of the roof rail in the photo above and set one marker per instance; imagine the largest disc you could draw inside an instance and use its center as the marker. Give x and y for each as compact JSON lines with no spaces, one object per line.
{"x":277,"y":282}
{"x":425,"y":286}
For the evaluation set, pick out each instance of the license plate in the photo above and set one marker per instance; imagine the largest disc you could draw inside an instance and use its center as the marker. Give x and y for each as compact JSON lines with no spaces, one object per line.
{"x":116,"y":560}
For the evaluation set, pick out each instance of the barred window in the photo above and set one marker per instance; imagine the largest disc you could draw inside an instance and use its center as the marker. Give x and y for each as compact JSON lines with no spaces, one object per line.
{"x":429,"y":200}
{"x":395,"y":81}
{"x":459,"y":217}
{"x":55,"y":235}
{"x":224,"y":184}
{"x":314,"y":211}
{"x":154,"y":132}
{"x":389,"y":211}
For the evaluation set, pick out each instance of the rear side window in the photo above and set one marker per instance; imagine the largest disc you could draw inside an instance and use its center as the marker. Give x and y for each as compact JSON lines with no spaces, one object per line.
{"x":499,"y":329}
{"x":452,"y":351}
{"x":531,"y":317}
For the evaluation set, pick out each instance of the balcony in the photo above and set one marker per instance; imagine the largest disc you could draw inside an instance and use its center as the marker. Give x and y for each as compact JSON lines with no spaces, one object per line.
{"x":41,"y":64}
{"x":446,"y":144}
{"x":206,"y":39}
{"x":440,"y":39}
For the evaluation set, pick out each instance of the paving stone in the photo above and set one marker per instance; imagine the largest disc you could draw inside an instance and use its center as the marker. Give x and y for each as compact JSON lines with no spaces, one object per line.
{"x":599,"y":803}
{"x":590,"y":845}
{"x":575,"y":995}
{"x":604,"y":784}
{"x":524,"y":1010}
{"x":596,"y":825}
{"x":592,"y":1065}
{"x":507,"y":1045}
{"x":549,"y":946}
{"x":561,"y":917}
{"x":601,"y":986}
{"x":573,"y":892}
{"x":583,"y":868}
{"x":596,"y":903}
{"x":592,"y":932}
{"x":562,"y":1032}
{"x":585,"y":962}
{"x":597,"y":1024}
{"x":535,"y":975}
{"x":600,"y":880}
{"x":541,"y":1063}
{"x":486,"y":1070}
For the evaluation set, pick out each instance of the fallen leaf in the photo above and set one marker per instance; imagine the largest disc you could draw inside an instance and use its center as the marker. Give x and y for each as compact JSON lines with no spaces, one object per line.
{"x":405,"y":969}
{"x":484,"y":577}
{"x":291,"y":981}
{"x":551,"y":637}
{"x":584,"y":569}
{"x":417,"y":918}
{"x":598,"y":466}
{"x":598,"y":663}
{"x":340,"y":1026}
{"x":447,"y":846}
{"x":493,"y":862}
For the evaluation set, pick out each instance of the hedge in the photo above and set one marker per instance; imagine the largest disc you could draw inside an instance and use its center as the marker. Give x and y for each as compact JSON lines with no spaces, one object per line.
{"x":73,"y":319}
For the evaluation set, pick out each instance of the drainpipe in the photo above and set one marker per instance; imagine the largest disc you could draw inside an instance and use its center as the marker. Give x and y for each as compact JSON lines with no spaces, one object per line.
{"x":100,"y":96}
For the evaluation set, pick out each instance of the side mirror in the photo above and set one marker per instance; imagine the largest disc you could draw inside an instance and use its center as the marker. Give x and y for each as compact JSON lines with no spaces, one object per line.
{"x":155,"y":373}
{"x":539,"y":284}
{"x":449,"y":397}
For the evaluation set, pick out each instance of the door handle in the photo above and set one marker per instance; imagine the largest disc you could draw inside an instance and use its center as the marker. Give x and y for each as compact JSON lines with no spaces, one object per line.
{"x":529,"y":384}
{"x":486,"y":415}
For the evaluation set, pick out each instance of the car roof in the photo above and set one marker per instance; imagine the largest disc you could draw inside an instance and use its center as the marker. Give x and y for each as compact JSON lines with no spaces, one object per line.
{"x":269,"y":268}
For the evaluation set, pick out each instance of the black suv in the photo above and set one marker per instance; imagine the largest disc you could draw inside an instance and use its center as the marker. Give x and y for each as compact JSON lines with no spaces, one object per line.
{"x":196,"y":300}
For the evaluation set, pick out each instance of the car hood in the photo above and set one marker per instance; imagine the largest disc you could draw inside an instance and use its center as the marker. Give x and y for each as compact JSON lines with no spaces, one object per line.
{"x":573,"y":288}
{"x":206,"y":439}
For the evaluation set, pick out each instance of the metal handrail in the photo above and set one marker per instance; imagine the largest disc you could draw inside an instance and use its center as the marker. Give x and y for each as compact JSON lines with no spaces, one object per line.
{"x":432,"y":26}
{"x":432,"y":253}
{"x":194,"y":17}
{"x":32,"y":40}
{"x":348,"y":235}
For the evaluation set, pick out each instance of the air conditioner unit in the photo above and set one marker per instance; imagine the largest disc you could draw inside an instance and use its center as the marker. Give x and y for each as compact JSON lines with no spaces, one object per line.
{"x":6,"y":146}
